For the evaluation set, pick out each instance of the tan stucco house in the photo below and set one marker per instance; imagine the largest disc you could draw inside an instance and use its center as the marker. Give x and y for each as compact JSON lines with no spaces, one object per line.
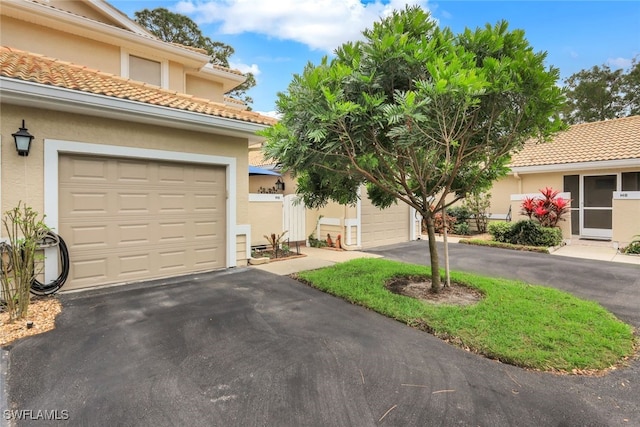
{"x":138,"y":161}
{"x":597,"y":165}
{"x":361,"y":226}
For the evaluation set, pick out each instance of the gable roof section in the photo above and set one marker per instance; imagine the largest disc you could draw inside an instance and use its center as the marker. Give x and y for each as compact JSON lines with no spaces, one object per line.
{"x":605,"y":141}
{"x":16,"y":64}
{"x":256,"y":158}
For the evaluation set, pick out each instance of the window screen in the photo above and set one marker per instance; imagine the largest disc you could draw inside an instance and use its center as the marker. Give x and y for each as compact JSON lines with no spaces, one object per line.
{"x":145,"y":70}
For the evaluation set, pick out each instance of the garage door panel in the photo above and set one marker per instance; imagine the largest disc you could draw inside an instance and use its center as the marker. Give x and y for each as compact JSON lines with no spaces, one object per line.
{"x":134,"y":234}
{"x":134,"y":264}
{"x":132,"y":171}
{"x":85,"y":202}
{"x":85,"y":170}
{"x":170,"y":174}
{"x":172,"y":259}
{"x":172,"y":203}
{"x":147,"y":220}
{"x":206,"y":202}
{"x":133,"y":203}
{"x":210,"y":176}
{"x":88,"y":237}
{"x":384,"y":227}
{"x":172,"y":232}
{"x":205,"y":229}
{"x":90,"y":269}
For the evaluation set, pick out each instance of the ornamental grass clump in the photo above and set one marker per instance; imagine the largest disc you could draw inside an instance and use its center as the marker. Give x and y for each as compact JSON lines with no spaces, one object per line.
{"x":25,"y":230}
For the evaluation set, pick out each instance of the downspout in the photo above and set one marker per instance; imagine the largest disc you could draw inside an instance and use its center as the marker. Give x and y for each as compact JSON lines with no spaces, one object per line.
{"x":519,"y":178}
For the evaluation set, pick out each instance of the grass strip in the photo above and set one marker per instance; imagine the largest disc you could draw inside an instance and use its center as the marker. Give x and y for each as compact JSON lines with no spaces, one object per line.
{"x":524,"y":325}
{"x":501,"y":245}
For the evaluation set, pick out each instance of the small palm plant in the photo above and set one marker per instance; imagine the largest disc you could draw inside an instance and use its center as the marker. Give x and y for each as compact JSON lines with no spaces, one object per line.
{"x":275,"y":240}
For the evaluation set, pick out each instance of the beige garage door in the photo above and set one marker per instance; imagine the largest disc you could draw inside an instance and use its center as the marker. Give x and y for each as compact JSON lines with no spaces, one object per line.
{"x":127,"y":220}
{"x":384,"y":227}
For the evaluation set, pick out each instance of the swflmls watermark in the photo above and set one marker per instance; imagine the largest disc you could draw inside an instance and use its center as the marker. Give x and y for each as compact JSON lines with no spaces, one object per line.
{"x":35,"y":415}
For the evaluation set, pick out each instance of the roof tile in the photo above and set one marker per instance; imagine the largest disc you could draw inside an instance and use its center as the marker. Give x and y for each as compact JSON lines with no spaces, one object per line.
{"x":617,"y":139}
{"x":35,"y":68}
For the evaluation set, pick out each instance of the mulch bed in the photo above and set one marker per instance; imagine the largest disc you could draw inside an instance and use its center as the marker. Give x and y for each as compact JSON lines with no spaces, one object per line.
{"x":42,"y":312}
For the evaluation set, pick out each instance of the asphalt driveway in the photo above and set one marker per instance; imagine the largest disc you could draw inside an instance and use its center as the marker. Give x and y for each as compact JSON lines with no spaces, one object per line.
{"x":248,"y":348}
{"x":614,"y":285}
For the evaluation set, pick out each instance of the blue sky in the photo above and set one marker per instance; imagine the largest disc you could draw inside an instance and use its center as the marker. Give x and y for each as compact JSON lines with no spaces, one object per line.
{"x":276,"y":38}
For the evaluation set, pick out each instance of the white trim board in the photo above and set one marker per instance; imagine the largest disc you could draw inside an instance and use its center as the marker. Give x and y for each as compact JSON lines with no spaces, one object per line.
{"x":53,"y":148}
{"x":266,"y":197}
{"x":582,"y":166}
{"x":521,"y":197}
{"x":626,"y":195}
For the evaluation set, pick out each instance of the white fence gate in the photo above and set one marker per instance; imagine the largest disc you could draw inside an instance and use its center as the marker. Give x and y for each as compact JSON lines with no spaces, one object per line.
{"x":293,"y":218}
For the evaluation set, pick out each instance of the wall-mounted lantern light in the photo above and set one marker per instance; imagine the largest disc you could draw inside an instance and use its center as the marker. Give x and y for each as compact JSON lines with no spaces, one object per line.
{"x":279,"y":185}
{"x":23,"y":140}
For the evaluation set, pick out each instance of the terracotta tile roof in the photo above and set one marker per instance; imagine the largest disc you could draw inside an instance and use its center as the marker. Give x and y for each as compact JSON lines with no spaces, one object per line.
{"x":256,"y":158}
{"x":616,"y":139}
{"x":26,"y":66}
{"x":191,"y":48}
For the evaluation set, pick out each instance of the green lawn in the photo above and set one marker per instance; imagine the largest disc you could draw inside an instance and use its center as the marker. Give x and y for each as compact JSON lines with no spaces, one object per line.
{"x":517,"y":323}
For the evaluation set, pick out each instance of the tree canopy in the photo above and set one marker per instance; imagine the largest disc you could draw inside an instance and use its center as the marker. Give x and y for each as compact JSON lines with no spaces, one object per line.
{"x":415,"y":112}
{"x":176,"y":28}
{"x":601,"y":93}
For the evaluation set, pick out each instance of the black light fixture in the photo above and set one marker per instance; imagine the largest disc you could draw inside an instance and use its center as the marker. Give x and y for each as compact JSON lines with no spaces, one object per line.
{"x":279,"y":185}
{"x":23,"y":140}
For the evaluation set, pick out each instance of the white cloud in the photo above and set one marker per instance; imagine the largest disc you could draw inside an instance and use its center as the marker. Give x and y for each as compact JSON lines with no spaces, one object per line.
{"x":319,"y":24}
{"x":273,"y":114}
{"x":619,"y":62}
{"x":245,"y":68}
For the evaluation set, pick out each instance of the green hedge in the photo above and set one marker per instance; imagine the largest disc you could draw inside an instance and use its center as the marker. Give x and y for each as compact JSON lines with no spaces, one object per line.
{"x":526,"y":232}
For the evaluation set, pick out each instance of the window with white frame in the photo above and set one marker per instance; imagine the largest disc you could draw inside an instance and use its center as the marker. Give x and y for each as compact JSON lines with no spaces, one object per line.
{"x":144,"y":69}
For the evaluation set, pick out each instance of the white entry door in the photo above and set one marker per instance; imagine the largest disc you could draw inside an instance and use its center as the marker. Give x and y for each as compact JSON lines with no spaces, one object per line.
{"x":597,"y":205}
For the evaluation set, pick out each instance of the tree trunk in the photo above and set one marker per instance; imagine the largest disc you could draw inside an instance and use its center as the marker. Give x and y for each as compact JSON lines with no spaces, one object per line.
{"x":433,"y":253}
{"x":445,"y":225}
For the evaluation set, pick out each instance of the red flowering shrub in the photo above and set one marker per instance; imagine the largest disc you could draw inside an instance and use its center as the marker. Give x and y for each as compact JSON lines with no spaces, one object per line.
{"x":548,"y":209}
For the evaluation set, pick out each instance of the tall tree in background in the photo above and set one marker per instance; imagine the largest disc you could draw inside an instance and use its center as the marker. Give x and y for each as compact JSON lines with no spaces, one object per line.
{"x":601,"y":93}
{"x":176,"y":28}
{"x":631,"y":88}
{"x":418,"y":114}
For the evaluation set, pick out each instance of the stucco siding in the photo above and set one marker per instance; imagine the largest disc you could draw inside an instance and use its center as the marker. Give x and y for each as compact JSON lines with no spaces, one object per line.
{"x":22,"y":177}
{"x":265,"y":218}
{"x":203,"y":88}
{"x":626,"y":220}
{"x":501,"y":193}
{"x":64,"y":46}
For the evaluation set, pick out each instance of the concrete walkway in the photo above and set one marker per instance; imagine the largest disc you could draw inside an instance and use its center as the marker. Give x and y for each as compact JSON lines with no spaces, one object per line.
{"x":314,"y":258}
{"x":601,"y":252}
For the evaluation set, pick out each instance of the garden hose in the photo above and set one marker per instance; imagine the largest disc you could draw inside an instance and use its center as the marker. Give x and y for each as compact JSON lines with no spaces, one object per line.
{"x":52,"y":240}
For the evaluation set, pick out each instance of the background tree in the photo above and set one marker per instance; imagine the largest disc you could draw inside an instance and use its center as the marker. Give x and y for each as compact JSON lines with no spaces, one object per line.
{"x":176,"y":28}
{"x":631,"y":88}
{"x":601,"y":93}
{"x":416,"y":113}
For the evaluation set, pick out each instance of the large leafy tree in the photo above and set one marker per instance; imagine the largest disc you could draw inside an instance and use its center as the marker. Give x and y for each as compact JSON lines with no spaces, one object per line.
{"x":601,"y":93}
{"x":176,"y":28}
{"x":631,"y":88}
{"x":418,"y":114}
